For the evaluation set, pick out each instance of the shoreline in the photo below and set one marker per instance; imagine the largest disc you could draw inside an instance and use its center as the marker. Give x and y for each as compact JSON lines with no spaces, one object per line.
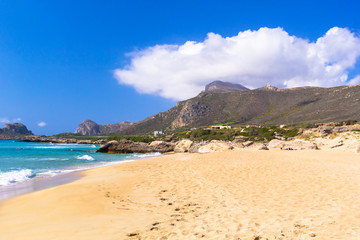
{"x":49,"y":181}
{"x":37,"y":184}
{"x":223,"y":195}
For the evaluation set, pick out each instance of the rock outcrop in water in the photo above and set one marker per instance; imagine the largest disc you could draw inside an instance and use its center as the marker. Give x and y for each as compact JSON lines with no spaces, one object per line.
{"x":15,"y":129}
{"x":89,"y":127}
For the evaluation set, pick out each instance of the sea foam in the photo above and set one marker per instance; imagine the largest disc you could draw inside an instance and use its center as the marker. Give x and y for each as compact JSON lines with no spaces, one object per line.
{"x":7,"y":178}
{"x":86,"y":157}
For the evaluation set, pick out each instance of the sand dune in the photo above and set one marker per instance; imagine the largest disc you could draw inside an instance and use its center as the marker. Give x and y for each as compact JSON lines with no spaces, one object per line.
{"x":245,"y":194}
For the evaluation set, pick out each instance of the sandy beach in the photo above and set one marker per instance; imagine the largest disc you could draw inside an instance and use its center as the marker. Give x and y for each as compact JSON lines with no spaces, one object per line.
{"x":245,"y":194}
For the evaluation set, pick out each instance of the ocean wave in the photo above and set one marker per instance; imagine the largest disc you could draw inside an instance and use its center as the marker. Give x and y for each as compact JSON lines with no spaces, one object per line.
{"x":55,"y":172}
{"x":86,"y":157}
{"x":51,"y":147}
{"x":7,"y":178}
{"x":61,"y":146}
{"x":141,"y":155}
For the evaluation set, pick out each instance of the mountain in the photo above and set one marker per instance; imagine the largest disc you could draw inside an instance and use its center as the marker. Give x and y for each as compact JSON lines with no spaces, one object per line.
{"x":88,"y":127}
{"x":220,"y":87}
{"x":15,"y":129}
{"x":267,"y":105}
{"x":268,"y":88}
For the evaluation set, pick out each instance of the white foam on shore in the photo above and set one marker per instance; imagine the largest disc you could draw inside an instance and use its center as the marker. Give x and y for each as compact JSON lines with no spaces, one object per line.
{"x":131,"y":158}
{"x":7,"y":178}
{"x":63,"y":146}
{"x":12,"y":177}
{"x":147,"y":155}
{"x":86,"y":157}
{"x":52,"y":173}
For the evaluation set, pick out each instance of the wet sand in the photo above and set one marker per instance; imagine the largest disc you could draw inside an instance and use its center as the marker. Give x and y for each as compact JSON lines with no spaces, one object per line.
{"x":36,"y":185}
{"x":245,"y":194}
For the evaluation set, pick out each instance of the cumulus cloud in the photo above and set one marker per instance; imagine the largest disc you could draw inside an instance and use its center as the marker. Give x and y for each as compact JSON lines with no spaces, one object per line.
{"x":42,"y":124}
{"x":17,"y":120}
{"x":251,"y":58}
{"x":6,"y":120}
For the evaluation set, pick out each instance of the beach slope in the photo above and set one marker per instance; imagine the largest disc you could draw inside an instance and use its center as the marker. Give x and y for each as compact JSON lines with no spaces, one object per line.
{"x":247,"y":194}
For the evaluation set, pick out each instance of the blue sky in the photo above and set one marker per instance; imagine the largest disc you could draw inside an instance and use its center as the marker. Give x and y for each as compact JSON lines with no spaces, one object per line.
{"x":57,"y":59}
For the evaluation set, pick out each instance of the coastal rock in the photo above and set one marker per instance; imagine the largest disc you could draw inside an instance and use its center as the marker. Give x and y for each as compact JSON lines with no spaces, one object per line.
{"x":329,"y":128}
{"x":263,"y":147}
{"x":248,"y":143}
{"x":156,"y":143}
{"x":84,"y":142}
{"x":324,"y":130}
{"x":309,"y":131}
{"x":161,"y":146}
{"x":237,"y":145}
{"x":196,"y":145}
{"x":215,"y":147}
{"x":101,"y":141}
{"x":239,"y":139}
{"x":292,"y":145}
{"x":275,"y":143}
{"x":340,"y":129}
{"x":127,"y":146}
{"x":124,"y":146}
{"x":183,"y":146}
{"x":336,"y":145}
{"x":107,"y":145}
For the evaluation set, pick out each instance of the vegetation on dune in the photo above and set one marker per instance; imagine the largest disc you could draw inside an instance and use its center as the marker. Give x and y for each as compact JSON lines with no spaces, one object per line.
{"x":251,"y":133}
{"x":146,"y":139}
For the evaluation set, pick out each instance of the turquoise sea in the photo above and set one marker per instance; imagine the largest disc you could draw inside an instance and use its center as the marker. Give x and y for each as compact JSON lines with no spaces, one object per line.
{"x":22,"y":161}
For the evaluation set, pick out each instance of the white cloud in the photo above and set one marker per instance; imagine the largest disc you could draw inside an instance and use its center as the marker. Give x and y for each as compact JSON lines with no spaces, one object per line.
{"x":355,"y":80}
{"x":251,"y":58}
{"x":4,"y":120}
{"x":16,"y":120}
{"x":42,"y":124}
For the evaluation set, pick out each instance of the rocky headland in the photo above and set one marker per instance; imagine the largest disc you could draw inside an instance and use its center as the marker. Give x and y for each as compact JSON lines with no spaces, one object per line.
{"x":14,"y":131}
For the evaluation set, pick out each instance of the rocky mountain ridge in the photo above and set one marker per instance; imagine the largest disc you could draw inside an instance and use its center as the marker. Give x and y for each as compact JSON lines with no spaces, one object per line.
{"x":267,"y":105}
{"x":89,"y":127}
{"x":220,"y":86}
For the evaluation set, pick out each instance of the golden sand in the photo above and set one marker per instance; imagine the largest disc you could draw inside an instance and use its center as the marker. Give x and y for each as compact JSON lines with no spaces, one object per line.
{"x":245,"y":194}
